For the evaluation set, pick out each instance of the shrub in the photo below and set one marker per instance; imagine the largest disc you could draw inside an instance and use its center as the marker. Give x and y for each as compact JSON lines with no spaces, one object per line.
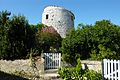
{"x":77,"y":73}
{"x":92,"y":75}
{"x":74,"y":73}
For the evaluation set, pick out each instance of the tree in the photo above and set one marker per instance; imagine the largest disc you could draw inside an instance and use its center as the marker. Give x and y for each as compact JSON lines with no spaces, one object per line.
{"x":4,"y":27}
{"x":20,"y":36}
{"x":16,"y":36}
{"x":47,"y":40}
{"x":107,"y":40}
{"x":92,"y":41}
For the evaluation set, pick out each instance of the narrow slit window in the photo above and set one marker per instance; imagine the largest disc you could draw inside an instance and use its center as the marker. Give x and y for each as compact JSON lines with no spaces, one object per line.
{"x":47,"y":16}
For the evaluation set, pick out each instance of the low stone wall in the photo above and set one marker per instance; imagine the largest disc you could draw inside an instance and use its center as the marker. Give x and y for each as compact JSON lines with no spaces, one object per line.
{"x":87,"y":64}
{"x":22,"y":65}
{"x":92,"y":65}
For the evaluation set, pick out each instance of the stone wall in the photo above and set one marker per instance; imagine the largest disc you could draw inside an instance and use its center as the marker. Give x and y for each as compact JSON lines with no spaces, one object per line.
{"x":87,"y":64}
{"x":22,"y":65}
{"x":92,"y":65}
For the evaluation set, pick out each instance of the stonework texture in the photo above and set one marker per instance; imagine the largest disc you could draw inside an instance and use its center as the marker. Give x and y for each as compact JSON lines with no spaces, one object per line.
{"x":60,"y":18}
{"x":21,"y":65}
{"x":87,"y":64}
{"x":92,"y":65}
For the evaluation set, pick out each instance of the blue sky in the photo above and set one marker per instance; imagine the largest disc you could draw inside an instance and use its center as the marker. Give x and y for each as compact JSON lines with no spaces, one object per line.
{"x":86,"y":11}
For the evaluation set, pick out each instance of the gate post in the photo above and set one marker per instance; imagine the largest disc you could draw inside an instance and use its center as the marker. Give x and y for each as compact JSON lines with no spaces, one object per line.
{"x":59,"y":60}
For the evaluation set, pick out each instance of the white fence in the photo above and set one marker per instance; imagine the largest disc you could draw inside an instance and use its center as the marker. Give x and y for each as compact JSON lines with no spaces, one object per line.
{"x":111,"y":69}
{"x":52,"y":60}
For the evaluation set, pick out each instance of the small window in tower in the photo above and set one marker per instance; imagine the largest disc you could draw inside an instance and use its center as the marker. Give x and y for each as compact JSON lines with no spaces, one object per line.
{"x":47,"y":16}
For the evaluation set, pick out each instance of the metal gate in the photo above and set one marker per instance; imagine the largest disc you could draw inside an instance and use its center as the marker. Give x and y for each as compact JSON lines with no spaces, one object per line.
{"x":52,"y":60}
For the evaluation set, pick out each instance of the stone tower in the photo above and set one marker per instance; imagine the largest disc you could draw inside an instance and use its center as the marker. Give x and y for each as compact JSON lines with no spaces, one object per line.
{"x":59,"y":18}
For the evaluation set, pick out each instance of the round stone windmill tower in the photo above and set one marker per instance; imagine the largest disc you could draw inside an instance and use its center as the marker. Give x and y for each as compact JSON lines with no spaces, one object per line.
{"x":59,"y":18}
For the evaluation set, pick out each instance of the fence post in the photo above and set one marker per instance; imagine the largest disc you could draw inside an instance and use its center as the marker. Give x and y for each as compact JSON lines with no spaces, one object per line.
{"x":119,"y":69}
{"x":112,"y":69}
{"x":103,"y":69}
{"x":59,"y":60}
{"x":115,"y":70}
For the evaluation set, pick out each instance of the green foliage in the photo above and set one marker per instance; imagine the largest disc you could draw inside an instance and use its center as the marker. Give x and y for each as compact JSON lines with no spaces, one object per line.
{"x":98,"y":41}
{"x":4,"y":27}
{"x":92,"y":75}
{"x":92,"y":42}
{"x":48,"y":42}
{"x":72,"y":73}
{"x":77,"y":73}
{"x":32,"y":61}
{"x":16,"y":36}
{"x":70,"y":47}
{"x":103,"y":53}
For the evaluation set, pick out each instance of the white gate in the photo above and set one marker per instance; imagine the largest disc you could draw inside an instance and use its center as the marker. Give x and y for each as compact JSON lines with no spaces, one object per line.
{"x":111,"y":69}
{"x":52,"y":60}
